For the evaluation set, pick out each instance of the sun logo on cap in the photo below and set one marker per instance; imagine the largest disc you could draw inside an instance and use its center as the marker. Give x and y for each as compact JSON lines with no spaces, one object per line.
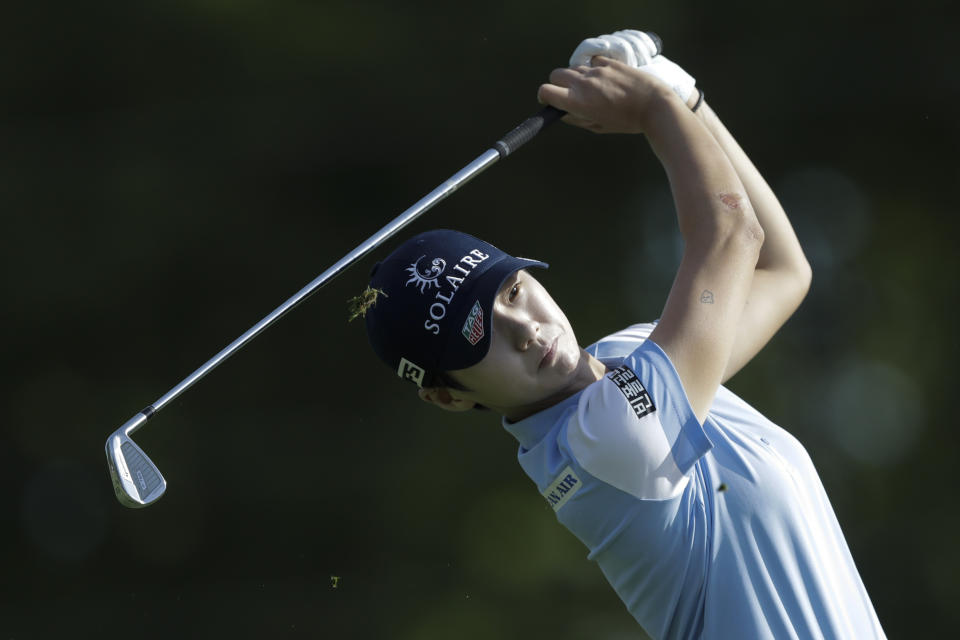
{"x":428,"y":277}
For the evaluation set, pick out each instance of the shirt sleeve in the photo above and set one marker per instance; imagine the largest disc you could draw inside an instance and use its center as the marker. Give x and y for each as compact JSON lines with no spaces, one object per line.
{"x":635,"y":428}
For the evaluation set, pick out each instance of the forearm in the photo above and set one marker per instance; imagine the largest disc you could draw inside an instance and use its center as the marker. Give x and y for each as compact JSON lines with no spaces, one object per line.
{"x":781,"y":250}
{"x":701,"y":319}
{"x":708,"y":191}
{"x":782,"y":275}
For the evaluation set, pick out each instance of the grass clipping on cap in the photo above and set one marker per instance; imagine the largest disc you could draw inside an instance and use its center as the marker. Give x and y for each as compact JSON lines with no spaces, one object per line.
{"x":357,"y":306}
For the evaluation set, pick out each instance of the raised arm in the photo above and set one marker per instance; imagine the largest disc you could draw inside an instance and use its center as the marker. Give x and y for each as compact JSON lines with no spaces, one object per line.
{"x":699,"y":324}
{"x":782,"y":277}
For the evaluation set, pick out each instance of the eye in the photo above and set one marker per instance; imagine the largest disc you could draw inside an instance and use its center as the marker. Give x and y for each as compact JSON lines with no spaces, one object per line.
{"x":514,"y":292}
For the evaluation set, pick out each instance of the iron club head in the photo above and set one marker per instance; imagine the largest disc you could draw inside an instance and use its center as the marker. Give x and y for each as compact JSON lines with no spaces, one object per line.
{"x":136,"y":480}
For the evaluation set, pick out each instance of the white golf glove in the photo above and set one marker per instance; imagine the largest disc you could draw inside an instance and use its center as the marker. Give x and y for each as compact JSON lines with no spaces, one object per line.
{"x":639,"y":50}
{"x":631,"y":47}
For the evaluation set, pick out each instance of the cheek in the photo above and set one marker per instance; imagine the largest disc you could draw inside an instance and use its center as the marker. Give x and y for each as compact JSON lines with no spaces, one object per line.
{"x":495,"y":375}
{"x":570,"y":343}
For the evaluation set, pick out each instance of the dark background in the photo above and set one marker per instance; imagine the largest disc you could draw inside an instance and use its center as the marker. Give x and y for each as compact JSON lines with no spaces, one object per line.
{"x":171,"y":172}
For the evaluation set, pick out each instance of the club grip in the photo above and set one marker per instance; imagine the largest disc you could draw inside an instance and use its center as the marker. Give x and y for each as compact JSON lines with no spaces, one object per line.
{"x":527,"y":129}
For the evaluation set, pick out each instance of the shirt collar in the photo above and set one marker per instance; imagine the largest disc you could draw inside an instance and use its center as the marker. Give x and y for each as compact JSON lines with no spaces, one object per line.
{"x":532,"y":429}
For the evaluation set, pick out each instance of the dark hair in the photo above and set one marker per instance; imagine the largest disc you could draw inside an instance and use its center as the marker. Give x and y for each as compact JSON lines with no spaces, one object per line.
{"x":444,"y":379}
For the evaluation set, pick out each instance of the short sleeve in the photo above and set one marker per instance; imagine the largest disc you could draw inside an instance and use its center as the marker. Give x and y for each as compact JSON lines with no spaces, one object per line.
{"x":635,"y":429}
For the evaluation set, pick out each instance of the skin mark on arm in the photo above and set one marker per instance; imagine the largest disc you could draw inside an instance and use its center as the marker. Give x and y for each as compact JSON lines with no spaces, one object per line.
{"x":731,"y":200}
{"x":706,"y":297}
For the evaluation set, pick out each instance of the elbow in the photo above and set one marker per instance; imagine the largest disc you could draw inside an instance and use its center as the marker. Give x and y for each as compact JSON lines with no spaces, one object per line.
{"x":753,"y":231}
{"x":804,"y":276}
{"x":743,"y":224}
{"x":799,"y":270}
{"x":748,"y":233}
{"x":795,"y":280}
{"x":735,"y":229}
{"x":740,"y":222}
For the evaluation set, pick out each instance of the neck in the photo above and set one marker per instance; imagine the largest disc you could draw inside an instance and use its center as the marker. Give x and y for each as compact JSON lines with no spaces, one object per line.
{"x":588,"y":371}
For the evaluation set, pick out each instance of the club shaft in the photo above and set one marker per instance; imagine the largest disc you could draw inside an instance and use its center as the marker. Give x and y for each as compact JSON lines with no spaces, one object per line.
{"x":463,"y":176}
{"x":503,"y":147}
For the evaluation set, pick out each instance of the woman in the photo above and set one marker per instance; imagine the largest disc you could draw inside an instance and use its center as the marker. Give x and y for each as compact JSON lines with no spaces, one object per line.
{"x":706,"y":518}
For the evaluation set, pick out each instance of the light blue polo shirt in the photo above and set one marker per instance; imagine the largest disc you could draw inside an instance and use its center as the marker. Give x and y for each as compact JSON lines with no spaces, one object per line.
{"x":721,"y":530}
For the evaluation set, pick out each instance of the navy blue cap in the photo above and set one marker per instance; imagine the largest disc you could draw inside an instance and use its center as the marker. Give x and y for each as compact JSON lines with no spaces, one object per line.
{"x":437,"y":311}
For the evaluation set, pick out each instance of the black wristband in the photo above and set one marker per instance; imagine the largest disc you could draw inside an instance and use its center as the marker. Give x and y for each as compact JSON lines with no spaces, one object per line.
{"x":699,"y":101}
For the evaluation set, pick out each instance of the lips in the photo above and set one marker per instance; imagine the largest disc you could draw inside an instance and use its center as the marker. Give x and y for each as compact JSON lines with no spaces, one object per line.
{"x":550,"y":354}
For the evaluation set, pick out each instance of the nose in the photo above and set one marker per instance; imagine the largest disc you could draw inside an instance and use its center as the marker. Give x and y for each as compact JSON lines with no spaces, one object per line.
{"x":522,"y":330}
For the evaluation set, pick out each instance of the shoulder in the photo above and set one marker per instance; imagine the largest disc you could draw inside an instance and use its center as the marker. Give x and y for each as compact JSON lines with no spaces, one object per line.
{"x":624,"y":436}
{"x":621,"y":343}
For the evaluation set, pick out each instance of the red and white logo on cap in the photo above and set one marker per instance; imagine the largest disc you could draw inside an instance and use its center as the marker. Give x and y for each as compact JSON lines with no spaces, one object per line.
{"x":473,"y":327}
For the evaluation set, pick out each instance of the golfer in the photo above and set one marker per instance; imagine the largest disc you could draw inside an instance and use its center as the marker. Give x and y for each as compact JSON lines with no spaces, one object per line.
{"x":708,"y":520}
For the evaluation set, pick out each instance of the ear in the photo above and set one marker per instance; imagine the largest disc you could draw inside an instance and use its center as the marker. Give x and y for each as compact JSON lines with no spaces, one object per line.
{"x":447,"y":399}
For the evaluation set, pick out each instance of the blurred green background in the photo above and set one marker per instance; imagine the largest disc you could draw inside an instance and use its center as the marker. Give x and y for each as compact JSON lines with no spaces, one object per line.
{"x":172,"y":171}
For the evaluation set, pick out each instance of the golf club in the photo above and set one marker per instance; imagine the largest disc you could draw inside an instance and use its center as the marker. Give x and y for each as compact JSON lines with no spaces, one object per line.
{"x":136,"y":480}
